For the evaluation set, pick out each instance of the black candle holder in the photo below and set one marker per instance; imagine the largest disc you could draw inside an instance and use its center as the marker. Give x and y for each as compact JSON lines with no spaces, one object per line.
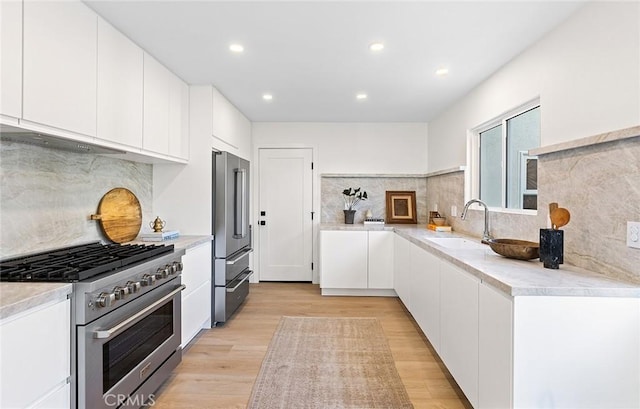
{"x":551,"y":248}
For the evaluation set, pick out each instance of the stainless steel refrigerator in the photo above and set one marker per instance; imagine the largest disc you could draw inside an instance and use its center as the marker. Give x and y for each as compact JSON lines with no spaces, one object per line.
{"x":232,"y":235}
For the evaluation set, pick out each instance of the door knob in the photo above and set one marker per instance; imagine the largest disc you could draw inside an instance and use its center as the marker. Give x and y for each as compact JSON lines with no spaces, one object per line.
{"x":263,"y":223}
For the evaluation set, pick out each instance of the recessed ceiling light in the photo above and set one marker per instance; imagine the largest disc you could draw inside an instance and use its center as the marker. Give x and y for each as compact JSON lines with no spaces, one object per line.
{"x":361,"y":96}
{"x":442,"y":71}
{"x":236,"y":48}
{"x":267,"y":97}
{"x":376,"y":46}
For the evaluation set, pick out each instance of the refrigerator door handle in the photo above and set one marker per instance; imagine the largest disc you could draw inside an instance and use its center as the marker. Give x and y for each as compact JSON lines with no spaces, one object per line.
{"x":239,"y":257}
{"x":240,"y":201}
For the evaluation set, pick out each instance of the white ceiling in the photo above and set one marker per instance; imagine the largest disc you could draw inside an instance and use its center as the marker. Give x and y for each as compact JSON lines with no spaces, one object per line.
{"x":313,"y":56}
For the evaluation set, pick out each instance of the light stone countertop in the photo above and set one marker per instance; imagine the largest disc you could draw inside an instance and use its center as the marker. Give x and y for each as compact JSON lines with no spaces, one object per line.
{"x":513,"y":277}
{"x":16,"y":298}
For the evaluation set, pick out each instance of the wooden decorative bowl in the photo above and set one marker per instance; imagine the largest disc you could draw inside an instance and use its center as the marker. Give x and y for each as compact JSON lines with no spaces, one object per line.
{"x":517,"y":249}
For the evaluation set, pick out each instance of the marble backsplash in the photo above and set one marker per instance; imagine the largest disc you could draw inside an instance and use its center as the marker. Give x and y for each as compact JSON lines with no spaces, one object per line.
{"x":332,"y":205}
{"x":447,"y":190}
{"x":599,"y":184}
{"x":47,"y":195}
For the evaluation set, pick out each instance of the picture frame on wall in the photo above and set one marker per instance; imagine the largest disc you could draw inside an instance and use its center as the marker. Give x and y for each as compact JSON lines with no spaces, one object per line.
{"x":401,"y":207}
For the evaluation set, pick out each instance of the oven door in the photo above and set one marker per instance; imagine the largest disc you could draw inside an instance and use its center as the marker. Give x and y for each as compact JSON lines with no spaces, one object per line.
{"x":124,"y":356}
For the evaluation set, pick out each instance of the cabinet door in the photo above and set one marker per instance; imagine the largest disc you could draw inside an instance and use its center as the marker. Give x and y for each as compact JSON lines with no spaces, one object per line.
{"x":223,"y":120}
{"x":155,"y":135}
{"x":30,"y":371}
{"x":381,"y":259}
{"x":11,"y":58}
{"x":60,"y":53}
{"x":459,"y":326}
{"x":120,"y":91}
{"x":343,"y":259}
{"x":196,"y":298}
{"x":402,"y":270}
{"x":178,"y":118}
{"x":59,"y":399}
{"x":496,"y":349}
{"x":425,"y":293}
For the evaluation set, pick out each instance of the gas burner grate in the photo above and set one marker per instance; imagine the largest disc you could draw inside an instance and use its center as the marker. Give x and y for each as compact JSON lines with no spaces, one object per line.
{"x":78,"y":263}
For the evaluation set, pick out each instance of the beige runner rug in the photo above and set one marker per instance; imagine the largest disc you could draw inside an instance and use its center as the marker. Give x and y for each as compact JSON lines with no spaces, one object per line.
{"x":328,"y":363}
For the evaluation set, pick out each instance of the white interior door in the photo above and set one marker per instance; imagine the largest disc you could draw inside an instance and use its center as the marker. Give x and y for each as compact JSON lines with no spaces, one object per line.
{"x":285,"y":226}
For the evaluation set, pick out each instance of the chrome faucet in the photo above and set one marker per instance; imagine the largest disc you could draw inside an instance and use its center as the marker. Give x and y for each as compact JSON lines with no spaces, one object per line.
{"x":485,"y":235}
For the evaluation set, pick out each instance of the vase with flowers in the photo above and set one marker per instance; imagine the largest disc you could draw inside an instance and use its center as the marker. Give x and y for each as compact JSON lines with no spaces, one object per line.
{"x":351,"y":198}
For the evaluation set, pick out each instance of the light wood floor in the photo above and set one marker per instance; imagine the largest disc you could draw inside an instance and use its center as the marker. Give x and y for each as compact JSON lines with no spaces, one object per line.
{"x":220,"y":366}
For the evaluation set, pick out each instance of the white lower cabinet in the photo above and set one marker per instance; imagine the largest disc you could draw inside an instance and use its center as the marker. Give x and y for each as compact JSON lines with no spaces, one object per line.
{"x":523,"y":351}
{"x":425,"y":293}
{"x":60,"y":398}
{"x":576,"y":352}
{"x":343,"y":259}
{"x":361,"y":261}
{"x":402,"y":280}
{"x":196,"y":298}
{"x":380,"y":259}
{"x":495,"y":349}
{"x":459,"y":328}
{"x":31,"y":375}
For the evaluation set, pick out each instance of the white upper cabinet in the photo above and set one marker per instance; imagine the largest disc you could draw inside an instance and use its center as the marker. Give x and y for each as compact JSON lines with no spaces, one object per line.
{"x":156,"y":106}
{"x":231,"y":129}
{"x":120,"y":69}
{"x":178,"y":118}
{"x":60,"y":54}
{"x":223,"y":118}
{"x":166,"y":105}
{"x":11,"y":58}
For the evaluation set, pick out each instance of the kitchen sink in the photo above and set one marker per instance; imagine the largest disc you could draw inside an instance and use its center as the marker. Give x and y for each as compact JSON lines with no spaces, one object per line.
{"x":457,"y":243}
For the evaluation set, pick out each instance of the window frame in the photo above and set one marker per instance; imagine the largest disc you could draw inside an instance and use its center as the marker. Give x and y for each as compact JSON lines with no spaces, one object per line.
{"x":472,"y":175}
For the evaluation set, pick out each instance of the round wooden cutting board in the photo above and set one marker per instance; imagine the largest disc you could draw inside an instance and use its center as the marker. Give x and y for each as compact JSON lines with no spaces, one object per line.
{"x":120,"y":215}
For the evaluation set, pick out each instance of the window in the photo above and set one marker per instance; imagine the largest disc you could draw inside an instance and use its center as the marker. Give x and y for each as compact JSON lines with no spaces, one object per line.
{"x":506,"y":176}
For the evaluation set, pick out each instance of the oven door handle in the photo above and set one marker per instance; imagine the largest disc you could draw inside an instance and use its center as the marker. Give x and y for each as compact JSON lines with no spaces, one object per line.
{"x":104,"y":334}
{"x":245,"y":278}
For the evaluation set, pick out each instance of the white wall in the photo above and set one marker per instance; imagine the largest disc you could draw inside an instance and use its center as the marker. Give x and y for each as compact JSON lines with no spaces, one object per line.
{"x":351,"y":147}
{"x":586,"y":73}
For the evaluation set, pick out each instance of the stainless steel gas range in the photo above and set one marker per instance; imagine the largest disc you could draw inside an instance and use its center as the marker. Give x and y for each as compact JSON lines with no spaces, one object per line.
{"x":125,"y":317}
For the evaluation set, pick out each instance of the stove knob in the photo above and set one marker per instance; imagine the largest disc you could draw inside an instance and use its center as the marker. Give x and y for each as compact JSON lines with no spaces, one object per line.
{"x":172,"y":269}
{"x":148,"y":279}
{"x":177,"y":265}
{"x":162,"y":273}
{"x":120,"y":292}
{"x":133,"y":287}
{"x":105,"y":299}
